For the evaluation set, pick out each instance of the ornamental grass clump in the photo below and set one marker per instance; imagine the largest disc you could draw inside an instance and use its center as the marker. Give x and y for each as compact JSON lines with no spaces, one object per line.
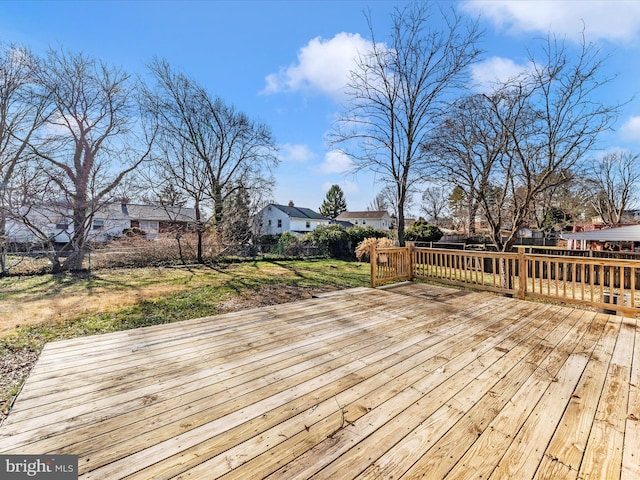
{"x":363,"y":250}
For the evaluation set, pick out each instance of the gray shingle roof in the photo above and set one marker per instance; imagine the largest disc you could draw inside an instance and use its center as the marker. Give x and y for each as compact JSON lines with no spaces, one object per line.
{"x":367,"y":215}
{"x":300,"y":212}
{"x":153,"y":212}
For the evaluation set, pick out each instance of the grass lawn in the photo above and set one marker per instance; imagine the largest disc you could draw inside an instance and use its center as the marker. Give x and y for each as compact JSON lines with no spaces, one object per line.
{"x":38,"y":309}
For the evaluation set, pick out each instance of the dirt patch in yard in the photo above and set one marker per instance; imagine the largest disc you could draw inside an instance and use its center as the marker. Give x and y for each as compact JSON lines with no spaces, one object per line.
{"x":270,"y":295}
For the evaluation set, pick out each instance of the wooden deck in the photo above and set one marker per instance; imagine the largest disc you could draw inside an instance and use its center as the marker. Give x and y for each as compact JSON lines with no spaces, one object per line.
{"x":406,"y":382}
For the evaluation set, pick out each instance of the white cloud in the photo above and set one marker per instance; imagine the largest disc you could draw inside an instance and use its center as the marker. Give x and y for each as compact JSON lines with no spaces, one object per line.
{"x":494,"y":71}
{"x":322,"y":65}
{"x":630,"y":130}
{"x":613,"y":20}
{"x":298,"y":153}
{"x":336,"y":161}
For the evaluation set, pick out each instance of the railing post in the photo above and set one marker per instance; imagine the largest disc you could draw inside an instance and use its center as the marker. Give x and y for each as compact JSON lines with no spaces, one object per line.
{"x":373,"y":260}
{"x":522,"y":274}
{"x":410,"y":260}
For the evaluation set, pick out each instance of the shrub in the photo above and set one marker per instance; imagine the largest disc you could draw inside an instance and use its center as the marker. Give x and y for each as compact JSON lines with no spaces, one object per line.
{"x":363,"y":250}
{"x":423,"y":232}
{"x":358,"y":234}
{"x":333,"y":238}
{"x":287,"y":244}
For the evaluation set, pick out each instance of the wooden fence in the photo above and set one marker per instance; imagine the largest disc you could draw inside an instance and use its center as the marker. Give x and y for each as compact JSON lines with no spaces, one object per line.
{"x":603,"y":283}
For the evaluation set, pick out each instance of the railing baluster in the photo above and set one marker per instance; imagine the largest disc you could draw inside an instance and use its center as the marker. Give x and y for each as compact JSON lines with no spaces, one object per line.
{"x":591,"y":280}
{"x":632,"y":285}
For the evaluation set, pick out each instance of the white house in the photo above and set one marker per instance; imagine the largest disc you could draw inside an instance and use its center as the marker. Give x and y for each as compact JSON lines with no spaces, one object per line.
{"x":378,"y":219}
{"x":110,"y":221}
{"x":276,"y":219}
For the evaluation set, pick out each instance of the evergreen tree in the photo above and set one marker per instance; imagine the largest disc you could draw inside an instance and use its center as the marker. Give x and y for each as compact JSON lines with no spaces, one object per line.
{"x":334,"y":203}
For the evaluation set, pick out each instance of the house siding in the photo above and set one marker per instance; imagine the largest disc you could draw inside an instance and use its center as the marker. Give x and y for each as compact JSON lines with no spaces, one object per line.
{"x":380,"y":221}
{"x":266,"y":222}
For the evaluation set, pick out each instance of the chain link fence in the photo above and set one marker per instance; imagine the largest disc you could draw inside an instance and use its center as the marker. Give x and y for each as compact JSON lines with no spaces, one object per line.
{"x":24,"y":259}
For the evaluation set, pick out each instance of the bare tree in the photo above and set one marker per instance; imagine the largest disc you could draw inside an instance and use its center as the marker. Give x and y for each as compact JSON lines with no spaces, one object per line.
{"x":552,"y":119}
{"x":398,"y":93}
{"x":389,"y":198}
{"x":206,"y":147}
{"x":613,"y":184}
{"x":88,"y":145}
{"x":463,"y":151}
{"x":22,"y":111}
{"x":379,"y":203}
{"x":435,"y":203}
{"x":560,"y":205}
{"x":540,"y":126}
{"x":173,"y":167}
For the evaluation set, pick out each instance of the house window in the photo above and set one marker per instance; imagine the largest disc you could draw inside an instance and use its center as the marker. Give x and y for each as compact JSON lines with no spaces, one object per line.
{"x":279,"y":223}
{"x":308,"y":225}
{"x":364,"y":222}
{"x":356,"y":222}
{"x":62,"y":226}
{"x":269,"y":223}
{"x":151,"y":228}
{"x":98,"y":224}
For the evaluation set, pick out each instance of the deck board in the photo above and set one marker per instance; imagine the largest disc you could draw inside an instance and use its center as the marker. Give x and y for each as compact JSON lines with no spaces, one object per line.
{"x":405,"y":381}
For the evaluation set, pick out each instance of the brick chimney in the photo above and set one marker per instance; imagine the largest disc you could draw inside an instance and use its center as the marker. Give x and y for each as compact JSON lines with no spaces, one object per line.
{"x":291,"y":203}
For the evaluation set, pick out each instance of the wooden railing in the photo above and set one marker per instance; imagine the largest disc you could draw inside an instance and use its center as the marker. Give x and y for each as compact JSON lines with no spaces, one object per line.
{"x":603,"y":283}
{"x":390,"y":265}
{"x":490,"y":271}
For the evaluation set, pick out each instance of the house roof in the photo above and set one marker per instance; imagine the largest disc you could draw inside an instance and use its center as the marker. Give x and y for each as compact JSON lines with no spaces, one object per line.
{"x":153,"y":212}
{"x":629,"y":233}
{"x":299,"y":212}
{"x":367,"y":215}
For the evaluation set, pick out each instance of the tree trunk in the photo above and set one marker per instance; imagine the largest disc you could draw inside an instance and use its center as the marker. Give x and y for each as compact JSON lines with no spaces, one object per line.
{"x":78,"y":240}
{"x":3,"y":246}
{"x":199,"y":229}
{"x":217,"y":205}
{"x":401,"y":226}
{"x":471,"y":225}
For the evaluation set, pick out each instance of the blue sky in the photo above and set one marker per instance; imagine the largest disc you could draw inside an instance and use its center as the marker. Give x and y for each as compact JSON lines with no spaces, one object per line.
{"x":285,"y":62}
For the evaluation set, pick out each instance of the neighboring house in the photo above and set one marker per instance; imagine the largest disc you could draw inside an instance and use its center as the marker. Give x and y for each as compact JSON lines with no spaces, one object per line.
{"x":153,"y":220}
{"x":379,"y":219}
{"x":276,"y":219}
{"x":52,"y":222}
{"x":109,"y":222}
{"x":616,"y":238}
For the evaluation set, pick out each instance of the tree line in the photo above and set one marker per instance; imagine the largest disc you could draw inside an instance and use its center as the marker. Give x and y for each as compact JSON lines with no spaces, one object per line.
{"x":77,"y":134}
